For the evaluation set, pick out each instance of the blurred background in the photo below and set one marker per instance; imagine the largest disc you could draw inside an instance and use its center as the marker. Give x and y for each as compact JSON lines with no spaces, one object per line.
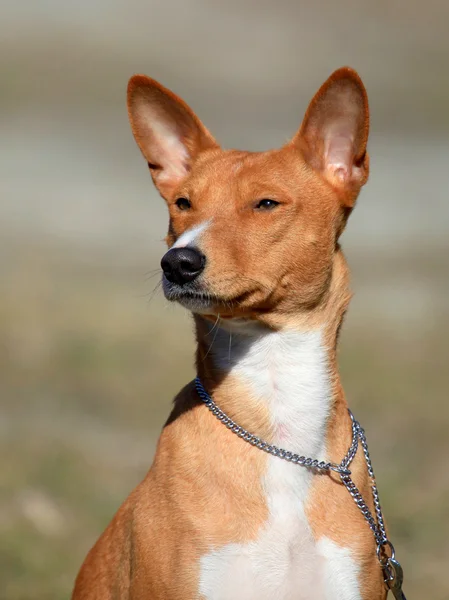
{"x":91,"y":356}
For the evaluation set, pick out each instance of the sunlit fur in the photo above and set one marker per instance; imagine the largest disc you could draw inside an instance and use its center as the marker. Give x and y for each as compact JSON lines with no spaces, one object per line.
{"x":216,"y":518}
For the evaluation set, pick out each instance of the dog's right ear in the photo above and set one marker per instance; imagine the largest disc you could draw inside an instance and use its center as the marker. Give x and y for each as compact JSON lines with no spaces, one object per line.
{"x":167,"y":131}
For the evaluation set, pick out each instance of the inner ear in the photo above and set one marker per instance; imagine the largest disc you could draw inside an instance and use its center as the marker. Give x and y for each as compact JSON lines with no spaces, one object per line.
{"x":334,"y":133}
{"x":167,"y":131}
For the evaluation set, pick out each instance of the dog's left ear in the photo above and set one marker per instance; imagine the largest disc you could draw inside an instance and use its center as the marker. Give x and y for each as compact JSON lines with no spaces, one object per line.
{"x":334,"y":133}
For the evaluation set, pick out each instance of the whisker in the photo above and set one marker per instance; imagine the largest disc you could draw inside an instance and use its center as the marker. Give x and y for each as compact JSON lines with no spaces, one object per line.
{"x":150,"y":275}
{"x":214,"y":325}
{"x":155,"y":290}
{"x":152,"y":271}
{"x":213,"y":339}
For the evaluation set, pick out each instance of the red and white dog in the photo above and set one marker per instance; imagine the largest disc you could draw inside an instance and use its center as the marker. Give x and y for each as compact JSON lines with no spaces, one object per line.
{"x":255,"y":256}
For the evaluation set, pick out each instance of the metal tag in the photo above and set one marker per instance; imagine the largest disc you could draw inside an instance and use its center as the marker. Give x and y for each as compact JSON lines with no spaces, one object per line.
{"x":395,"y":578}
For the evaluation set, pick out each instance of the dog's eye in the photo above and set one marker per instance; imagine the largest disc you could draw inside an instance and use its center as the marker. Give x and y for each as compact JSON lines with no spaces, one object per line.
{"x":183,"y":203}
{"x":266,"y":204}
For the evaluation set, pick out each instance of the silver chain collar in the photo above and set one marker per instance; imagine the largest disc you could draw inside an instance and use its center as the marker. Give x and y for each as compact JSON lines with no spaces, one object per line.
{"x":392,"y":570}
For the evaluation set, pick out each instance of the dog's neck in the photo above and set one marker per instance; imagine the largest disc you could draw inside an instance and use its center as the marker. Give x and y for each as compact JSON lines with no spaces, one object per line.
{"x":279,"y":383}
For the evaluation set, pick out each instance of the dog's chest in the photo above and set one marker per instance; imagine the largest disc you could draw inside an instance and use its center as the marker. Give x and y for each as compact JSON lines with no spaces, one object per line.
{"x":280,"y":563}
{"x":289,"y":373}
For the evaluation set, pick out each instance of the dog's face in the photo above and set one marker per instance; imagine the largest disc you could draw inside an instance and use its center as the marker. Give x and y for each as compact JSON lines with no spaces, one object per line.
{"x":252,"y":233}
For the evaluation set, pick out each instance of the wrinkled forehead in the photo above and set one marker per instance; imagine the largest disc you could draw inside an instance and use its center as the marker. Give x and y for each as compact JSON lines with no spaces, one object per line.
{"x":245,"y":174}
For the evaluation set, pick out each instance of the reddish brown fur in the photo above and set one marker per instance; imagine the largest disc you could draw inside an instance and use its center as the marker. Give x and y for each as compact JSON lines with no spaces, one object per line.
{"x":153,"y":545}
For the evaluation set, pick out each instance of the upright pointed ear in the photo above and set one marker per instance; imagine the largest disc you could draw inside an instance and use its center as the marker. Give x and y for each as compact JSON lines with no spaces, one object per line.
{"x":166,"y":130}
{"x":334,"y":132}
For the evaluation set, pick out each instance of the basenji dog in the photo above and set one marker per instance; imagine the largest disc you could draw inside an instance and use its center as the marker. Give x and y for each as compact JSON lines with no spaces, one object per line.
{"x":255,"y":256}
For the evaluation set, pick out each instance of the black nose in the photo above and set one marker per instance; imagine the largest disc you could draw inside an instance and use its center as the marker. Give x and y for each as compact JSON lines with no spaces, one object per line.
{"x":181,"y":265}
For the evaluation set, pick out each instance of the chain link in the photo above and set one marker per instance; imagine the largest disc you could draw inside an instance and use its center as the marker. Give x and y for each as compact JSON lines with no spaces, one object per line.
{"x":384,"y":550}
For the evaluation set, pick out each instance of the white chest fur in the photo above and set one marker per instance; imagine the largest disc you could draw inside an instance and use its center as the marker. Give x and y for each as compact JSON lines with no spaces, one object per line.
{"x":287,"y":371}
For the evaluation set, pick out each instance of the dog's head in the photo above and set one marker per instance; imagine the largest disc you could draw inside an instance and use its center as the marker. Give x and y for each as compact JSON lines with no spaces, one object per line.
{"x":253,"y":232}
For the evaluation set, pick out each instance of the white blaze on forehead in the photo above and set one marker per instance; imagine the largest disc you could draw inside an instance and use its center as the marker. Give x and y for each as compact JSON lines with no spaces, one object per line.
{"x":189,"y":237}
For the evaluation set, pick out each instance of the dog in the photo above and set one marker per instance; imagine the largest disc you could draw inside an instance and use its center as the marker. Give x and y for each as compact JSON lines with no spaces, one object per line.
{"x":254,"y":254}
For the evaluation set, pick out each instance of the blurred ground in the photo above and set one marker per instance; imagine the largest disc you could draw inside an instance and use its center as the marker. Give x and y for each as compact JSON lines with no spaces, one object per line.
{"x":90,"y":357}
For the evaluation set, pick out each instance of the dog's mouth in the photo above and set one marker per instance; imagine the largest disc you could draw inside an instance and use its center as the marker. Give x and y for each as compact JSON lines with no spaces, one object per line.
{"x":197,"y":297}
{"x":192,"y":296}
